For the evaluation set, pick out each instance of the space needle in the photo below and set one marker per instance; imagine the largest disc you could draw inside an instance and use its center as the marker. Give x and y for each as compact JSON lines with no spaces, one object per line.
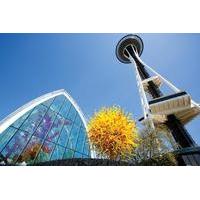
{"x":174,"y":110}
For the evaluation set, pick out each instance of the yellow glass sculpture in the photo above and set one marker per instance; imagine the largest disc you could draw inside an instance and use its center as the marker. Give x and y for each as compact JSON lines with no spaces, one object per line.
{"x":113,"y":133}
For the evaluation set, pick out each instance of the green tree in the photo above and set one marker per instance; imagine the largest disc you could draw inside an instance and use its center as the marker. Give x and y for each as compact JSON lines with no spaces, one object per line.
{"x":155,"y":147}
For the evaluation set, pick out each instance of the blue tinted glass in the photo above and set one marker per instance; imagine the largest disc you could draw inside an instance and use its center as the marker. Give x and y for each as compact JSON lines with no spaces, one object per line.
{"x":42,"y":125}
{"x":19,"y":121}
{"x":46,"y":124}
{"x":65,"y":108}
{"x":6,"y":136}
{"x":48,"y":102}
{"x":57,"y":103}
{"x":73,"y":137}
{"x":78,"y":120}
{"x":54,"y":133}
{"x":86,"y":148}
{"x":16,"y":145}
{"x":64,"y":136}
{"x":77,"y":155}
{"x":81,"y":140}
{"x":68,"y":154}
{"x":31,"y":151}
{"x":85,"y":156}
{"x":45,"y":152}
{"x":72,"y":113}
{"x":58,"y":153}
{"x":34,"y":119}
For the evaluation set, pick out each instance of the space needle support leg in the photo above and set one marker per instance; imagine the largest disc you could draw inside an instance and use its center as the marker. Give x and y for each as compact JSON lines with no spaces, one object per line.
{"x":143,"y":98}
{"x":174,"y":88}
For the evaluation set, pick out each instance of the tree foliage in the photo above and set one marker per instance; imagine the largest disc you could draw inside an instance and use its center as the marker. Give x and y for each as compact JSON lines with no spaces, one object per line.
{"x":113,"y":133}
{"x":155,"y":147}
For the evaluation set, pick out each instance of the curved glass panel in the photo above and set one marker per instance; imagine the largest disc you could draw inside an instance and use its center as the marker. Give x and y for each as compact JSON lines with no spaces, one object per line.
{"x":52,"y":130}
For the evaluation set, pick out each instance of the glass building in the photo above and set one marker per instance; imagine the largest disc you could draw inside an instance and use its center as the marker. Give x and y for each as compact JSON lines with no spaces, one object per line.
{"x":51,"y":127}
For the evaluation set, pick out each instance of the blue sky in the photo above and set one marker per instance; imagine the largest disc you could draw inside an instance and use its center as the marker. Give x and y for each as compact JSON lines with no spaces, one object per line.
{"x":86,"y":66}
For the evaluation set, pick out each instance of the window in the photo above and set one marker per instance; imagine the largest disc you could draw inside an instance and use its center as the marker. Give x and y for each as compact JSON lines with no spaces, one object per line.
{"x":6,"y":136}
{"x":78,"y":120}
{"x":86,"y":148}
{"x":31,"y":151}
{"x":45,"y":152}
{"x":13,"y":149}
{"x":68,"y":154}
{"x":48,"y":102}
{"x":50,"y":131}
{"x":57,"y":103}
{"x":81,"y":140}
{"x":64,"y":136}
{"x":34,"y":119}
{"x":72,"y":113}
{"x":19,"y":122}
{"x":54,"y":133}
{"x":73,"y":137}
{"x":46,"y":124}
{"x":77,"y":155}
{"x":65,"y":108}
{"x":58,"y":153}
{"x":85,"y":156}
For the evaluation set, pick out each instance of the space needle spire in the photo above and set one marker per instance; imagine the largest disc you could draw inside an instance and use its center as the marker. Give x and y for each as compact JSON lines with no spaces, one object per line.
{"x":174,"y":110}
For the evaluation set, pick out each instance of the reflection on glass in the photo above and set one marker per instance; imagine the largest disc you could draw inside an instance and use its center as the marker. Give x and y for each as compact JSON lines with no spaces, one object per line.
{"x":57,"y":103}
{"x":72,"y":113}
{"x":77,"y":155}
{"x":64,"y":136}
{"x":31,"y":151}
{"x":58,"y":153}
{"x":73,"y":137}
{"x":16,"y":145}
{"x":19,"y":122}
{"x":68,"y":154}
{"x":81,"y":141}
{"x":45,"y":152}
{"x":6,"y":136}
{"x":34,"y":119}
{"x":65,"y":108}
{"x":50,"y":131}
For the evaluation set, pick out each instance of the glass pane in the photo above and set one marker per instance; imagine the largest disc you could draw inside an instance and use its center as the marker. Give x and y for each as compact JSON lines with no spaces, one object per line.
{"x":34,"y":119}
{"x":86,"y":148}
{"x":56,"y":105}
{"x":16,"y":145}
{"x":72,"y":114}
{"x":46,"y":124}
{"x":78,"y":120}
{"x":64,"y":136}
{"x":58,"y":153}
{"x":6,"y":136}
{"x":73,"y":137}
{"x":68,"y":154}
{"x":19,"y":121}
{"x":45,"y":152}
{"x":81,"y":141}
{"x":85,"y":156}
{"x":31,"y":151}
{"x":77,"y":155}
{"x":65,"y":108}
{"x":54,"y":133}
{"x":48,"y":102}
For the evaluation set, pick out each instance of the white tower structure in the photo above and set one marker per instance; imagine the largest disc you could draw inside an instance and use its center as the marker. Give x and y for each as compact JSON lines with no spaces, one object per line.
{"x":174,"y":110}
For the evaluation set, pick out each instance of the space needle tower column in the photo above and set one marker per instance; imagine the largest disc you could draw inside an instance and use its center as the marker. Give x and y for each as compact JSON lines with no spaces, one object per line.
{"x":173,"y":110}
